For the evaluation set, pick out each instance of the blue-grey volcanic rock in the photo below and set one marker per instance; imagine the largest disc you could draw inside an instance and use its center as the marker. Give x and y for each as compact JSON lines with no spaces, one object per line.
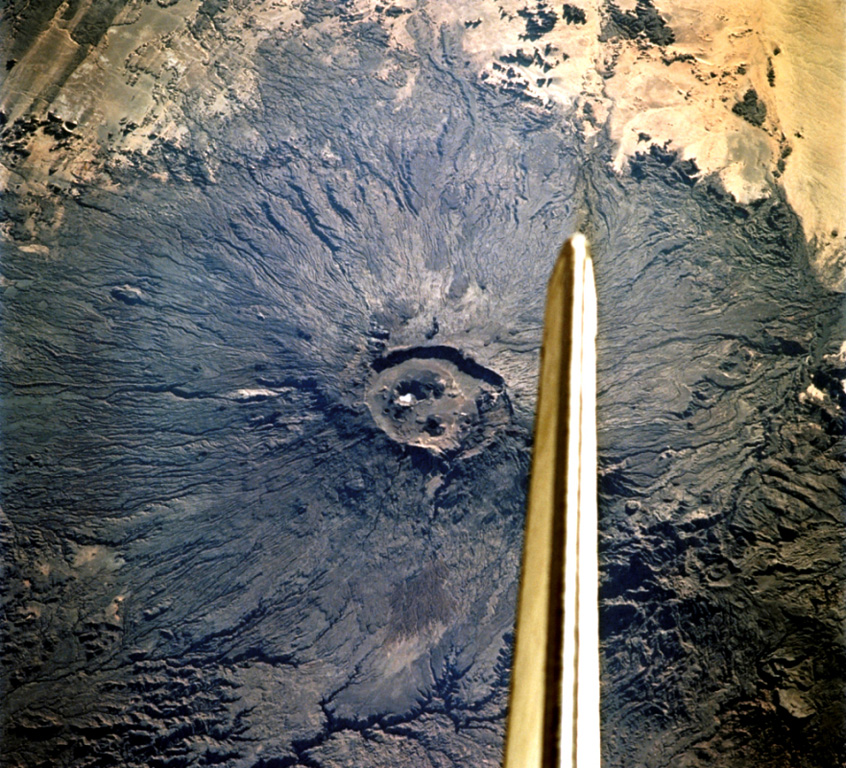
{"x":241,"y":527}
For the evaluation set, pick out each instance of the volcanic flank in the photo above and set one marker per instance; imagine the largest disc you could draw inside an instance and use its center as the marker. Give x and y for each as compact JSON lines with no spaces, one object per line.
{"x":261,"y":509}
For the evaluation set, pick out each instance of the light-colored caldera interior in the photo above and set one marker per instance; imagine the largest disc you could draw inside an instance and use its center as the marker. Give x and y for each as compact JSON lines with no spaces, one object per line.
{"x":432,"y":403}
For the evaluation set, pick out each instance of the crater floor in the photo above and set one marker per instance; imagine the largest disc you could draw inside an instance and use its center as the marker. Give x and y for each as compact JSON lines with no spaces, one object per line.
{"x":437,"y":403}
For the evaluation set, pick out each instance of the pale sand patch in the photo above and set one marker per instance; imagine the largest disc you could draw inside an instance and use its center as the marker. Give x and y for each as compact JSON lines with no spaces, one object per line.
{"x":839,"y":358}
{"x":95,"y":557}
{"x":498,"y":30}
{"x":803,"y":45}
{"x":812,"y":393}
{"x":687,"y":103}
{"x":113,"y":614}
{"x":682,"y":107}
{"x":810,"y":96}
{"x":36,"y":248}
{"x":32,"y":611}
{"x":245,"y":395}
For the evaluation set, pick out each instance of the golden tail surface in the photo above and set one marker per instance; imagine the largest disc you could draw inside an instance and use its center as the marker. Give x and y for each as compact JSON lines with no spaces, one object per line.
{"x":553,"y":719}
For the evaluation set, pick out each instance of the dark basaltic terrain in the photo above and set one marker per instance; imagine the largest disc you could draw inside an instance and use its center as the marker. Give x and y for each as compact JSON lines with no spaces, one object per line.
{"x":214,"y":554}
{"x":720,"y":482}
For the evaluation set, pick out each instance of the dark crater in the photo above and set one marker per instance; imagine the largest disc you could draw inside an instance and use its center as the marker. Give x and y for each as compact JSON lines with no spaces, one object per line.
{"x":438,"y":399}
